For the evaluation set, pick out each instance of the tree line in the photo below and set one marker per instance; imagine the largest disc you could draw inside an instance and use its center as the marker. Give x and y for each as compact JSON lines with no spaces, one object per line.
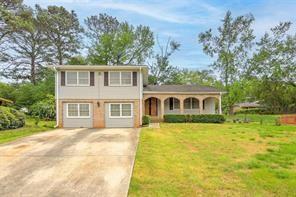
{"x":245,"y":67}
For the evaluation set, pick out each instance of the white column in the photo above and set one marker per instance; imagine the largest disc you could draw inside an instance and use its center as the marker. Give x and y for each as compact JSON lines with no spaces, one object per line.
{"x":161,"y":108}
{"x":220,"y":104}
{"x":200,"y":105}
{"x":181,"y":106}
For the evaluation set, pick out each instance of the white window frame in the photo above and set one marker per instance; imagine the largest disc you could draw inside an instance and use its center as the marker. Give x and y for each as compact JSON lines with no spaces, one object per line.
{"x":120,"y":110}
{"x":78,"y":110}
{"x":174,"y":104}
{"x":191,"y":103}
{"x":77,"y":79}
{"x":120,"y":82}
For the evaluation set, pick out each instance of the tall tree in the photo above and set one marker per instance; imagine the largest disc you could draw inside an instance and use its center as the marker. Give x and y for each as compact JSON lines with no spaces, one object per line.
{"x":161,"y":71}
{"x":230,"y":46}
{"x":62,"y":29}
{"x":115,"y":43}
{"x":29,"y":51}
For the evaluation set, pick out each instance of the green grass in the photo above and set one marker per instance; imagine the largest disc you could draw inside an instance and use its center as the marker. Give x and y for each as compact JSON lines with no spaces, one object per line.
{"x":29,"y":129}
{"x":216,"y":160}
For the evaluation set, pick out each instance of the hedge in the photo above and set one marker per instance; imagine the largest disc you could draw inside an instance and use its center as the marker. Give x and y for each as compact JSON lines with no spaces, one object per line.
{"x":11,"y":118}
{"x":195,"y":118}
{"x":146,"y":120}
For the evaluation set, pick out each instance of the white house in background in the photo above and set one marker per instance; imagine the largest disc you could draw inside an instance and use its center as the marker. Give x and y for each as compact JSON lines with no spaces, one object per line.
{"x":97,"y":96}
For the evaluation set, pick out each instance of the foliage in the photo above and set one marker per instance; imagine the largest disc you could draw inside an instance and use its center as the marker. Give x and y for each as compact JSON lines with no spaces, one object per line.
{"x":252,"y":111}
{"x":175,"y":118}
{"x":29,"y":129}
{"x":44,"y":109}
{"x":77,"y":60}
{"x":146,"y":120}
{"x":196,"y":118}
{"x":62,"y":30}
{"x":161,"y":71}
{"x":115,"y":43}
{"x":11,"y":118}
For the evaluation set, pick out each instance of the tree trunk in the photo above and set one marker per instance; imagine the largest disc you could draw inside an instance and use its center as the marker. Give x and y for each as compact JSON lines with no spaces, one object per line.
{"x":33,"y":73}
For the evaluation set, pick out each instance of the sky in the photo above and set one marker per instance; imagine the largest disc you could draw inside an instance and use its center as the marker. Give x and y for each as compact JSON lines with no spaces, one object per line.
{"x":183,"y":20}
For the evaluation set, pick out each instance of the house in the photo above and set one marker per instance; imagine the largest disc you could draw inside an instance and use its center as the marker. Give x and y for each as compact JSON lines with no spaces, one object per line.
{"x":247,"y":105}
{"x":118,"y":96}
{"x":5,"y":102}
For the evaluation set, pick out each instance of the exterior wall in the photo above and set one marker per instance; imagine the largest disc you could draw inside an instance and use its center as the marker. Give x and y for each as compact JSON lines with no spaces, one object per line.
{"x":77,"y":122}
{"x":99,"y":91}
{"x":117,"y":122}
{"x":98,"y":111}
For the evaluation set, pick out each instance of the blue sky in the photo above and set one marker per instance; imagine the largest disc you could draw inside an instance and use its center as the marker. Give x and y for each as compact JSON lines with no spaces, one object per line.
{"x":183,"y":20}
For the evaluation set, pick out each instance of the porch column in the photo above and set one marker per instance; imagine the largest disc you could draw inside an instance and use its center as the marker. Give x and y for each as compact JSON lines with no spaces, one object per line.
{"x":201,"y":106}
{"x":181,"y":106}
{"x":220,"y":104}
{"x":161,"y":108}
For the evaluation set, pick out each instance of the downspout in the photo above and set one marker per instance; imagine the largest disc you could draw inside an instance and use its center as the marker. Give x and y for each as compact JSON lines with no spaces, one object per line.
{"x":57,"y":97}
{"x":141,"y":96}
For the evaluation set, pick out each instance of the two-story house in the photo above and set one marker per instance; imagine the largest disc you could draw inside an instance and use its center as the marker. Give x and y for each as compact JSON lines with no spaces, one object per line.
{"x":97,"y":96}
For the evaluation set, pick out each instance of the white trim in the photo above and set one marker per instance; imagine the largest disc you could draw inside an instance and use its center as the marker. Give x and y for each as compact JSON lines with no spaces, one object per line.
{"x":78,"y":104}
{"x":57,"y":82}
{"x":120,"y":110}
{"x":77,"y":78}
{"x":190,"y":93}
{"x":120,"y":82}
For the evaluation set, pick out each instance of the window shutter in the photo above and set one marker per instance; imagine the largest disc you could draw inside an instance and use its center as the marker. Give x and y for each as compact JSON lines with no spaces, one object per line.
{"x":135,"y":80}
{"x":63,"y":78}
{"x":106,"y":78}
{"x":92,"y":78}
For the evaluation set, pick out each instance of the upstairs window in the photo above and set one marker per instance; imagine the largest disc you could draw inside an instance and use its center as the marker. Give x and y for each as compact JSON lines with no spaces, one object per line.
{"x":120,"y":78}
{"x":77,"y":78}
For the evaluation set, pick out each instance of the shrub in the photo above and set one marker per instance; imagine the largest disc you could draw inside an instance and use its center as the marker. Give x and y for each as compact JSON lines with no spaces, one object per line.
{"x":146,"y":120}
{"x":208,"y":118}
{"x":175,"y":118}
{"x":11,"y":118}
{"x":198,"y":118}
{"x":44,"y":109}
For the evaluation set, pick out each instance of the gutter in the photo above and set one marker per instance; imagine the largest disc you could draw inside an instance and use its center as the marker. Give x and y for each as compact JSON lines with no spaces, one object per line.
{"x":57,"y":96}
{"x":141,"y":95}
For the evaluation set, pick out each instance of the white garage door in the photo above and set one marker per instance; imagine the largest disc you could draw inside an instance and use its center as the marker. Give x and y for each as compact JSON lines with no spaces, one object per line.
{"x":78,"y":115}
{"x":119,"y":115}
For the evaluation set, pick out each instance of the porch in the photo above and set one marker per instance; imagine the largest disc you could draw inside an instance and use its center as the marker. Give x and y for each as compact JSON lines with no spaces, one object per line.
{"x":157,"y":105}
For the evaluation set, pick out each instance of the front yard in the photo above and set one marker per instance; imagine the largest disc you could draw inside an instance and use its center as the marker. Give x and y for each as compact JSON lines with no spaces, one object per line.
{"x":242,"y":159}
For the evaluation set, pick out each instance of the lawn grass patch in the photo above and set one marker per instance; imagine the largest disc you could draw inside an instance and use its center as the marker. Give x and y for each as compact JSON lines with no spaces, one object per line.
{"x":29,"y":129}
{"x":191,"y":159}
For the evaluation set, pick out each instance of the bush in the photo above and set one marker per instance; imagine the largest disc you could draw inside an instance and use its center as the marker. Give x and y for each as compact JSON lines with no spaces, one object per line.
{"x":200,"y":118}
{"x":252,"y":111}
{"x":11,"y":118}
{"x":146,"y":120}
{"x":44,"y":109}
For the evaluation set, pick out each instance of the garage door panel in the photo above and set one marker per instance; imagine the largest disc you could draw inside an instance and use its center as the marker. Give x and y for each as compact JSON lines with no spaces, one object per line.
{"x":77,"y":122}
{"x":117,"y":122}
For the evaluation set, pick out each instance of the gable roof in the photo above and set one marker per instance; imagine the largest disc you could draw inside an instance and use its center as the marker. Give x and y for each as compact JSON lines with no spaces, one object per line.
{"x":181,"y":88}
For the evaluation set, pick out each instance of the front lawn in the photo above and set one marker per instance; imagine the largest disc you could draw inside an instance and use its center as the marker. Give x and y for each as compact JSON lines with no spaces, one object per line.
{"x":243,"y":159}
{"x":29,"y":129}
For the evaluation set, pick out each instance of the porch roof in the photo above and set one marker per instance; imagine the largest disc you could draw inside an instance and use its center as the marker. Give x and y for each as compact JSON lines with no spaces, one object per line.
{"x":180,"y":89}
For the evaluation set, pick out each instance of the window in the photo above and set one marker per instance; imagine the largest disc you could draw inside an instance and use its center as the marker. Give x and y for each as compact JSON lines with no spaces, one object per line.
{"x":76,"y":110}
{"x":174,"y":103}
{"x":190,"y":103}
{"x":120,"y":110}
{"x":75,"y":78}
{"x":120,"y":78}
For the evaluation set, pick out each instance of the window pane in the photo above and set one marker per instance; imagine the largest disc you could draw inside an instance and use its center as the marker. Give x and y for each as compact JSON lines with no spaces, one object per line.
{"x":83,"y":78}
{"x":72,"y":110}
{"x":176,"y":104}
{"x":126,"y":109}
{"x":187,"y":104}
{"x":72,"y":78}
{"x":114,"y":78}
{"x":126,"y":78}
{"x":84,"y":109}
{"x":194,"y":103}
{"x":115,"y":110}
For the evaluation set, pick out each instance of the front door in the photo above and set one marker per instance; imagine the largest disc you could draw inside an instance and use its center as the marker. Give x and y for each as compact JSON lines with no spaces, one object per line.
{"x":151,"y":108}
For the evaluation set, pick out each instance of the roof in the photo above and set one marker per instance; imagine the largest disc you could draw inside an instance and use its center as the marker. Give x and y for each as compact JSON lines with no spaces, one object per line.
{"x":143,"y":68}
{"x":6,"y":100}
{"x":181,"y":88}
{"x":249,"y":104}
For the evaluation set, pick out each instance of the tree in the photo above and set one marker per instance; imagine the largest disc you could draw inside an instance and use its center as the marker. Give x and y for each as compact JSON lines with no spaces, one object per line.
{"x":115,"y":43}
{"x":63,"y":31}
{"x":77,"y":60}
{"x":274,"y":65}
{"x":29,"y":50}
{"x":230,"y":47}
{"x":161,"y":71}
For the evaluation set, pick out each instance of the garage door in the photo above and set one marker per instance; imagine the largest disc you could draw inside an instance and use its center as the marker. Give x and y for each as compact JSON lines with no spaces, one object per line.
{"x":78,"y":115}
{"x":119,"y":115}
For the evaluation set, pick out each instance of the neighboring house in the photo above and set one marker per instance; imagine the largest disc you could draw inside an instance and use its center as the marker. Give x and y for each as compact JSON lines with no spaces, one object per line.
{"x":247,"y":105}
{"x":118,"y":96}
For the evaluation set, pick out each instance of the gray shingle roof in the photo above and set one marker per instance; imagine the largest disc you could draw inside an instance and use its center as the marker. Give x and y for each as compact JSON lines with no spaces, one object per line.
{"x":180,"y":88}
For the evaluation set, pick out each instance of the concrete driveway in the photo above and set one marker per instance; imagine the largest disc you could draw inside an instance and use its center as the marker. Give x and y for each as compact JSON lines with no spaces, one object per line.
{"x":69,"y":162}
